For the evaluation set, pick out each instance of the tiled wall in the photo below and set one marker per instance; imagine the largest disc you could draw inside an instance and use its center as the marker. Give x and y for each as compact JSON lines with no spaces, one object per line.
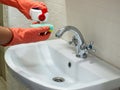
{"x":1,"y":16}
{"x":5,"y":15}
{"x":99,"y":21}
{"x":2,"y":62}
{"x":1,"y":21}
{"x":14,"y":84}
{"x":2,"y":84}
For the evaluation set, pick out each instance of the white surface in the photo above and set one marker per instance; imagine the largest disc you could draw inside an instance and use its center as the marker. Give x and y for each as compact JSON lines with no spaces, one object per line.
{"x":17,"y":19}
{"x":37,"y":63}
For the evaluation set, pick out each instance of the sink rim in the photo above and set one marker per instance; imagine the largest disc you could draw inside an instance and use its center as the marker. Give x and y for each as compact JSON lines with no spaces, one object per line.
{"x":24,"y":73}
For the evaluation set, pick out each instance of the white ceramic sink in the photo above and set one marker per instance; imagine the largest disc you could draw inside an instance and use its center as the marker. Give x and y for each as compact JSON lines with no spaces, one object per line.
{"x":38,"y":64}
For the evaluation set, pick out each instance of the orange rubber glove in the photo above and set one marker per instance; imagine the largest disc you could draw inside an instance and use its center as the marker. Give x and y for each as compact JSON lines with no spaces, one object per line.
{"x":27,"y":35}
{"x":24,"y":6}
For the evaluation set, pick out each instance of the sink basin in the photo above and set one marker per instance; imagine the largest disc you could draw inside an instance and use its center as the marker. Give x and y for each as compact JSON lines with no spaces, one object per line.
{"x":52,"y":65}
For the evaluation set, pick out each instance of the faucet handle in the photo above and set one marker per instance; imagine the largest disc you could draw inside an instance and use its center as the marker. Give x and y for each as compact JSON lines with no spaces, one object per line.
{"x":90,"y":47}
{"x":74,"y":40}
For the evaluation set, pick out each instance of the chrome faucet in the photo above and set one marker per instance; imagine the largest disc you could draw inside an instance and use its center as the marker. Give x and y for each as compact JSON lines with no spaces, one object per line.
{"x":78,"y":40}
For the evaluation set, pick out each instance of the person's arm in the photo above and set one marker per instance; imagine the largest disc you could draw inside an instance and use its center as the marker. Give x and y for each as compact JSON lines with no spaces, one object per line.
{"x":13,"y":36}
{"x":5,"y":35}
{"x":24,"y":6}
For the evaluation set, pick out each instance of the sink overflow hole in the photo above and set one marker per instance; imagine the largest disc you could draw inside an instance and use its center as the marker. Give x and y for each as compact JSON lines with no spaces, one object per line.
{"x":69,"y":64}
{"x":58,"y":79}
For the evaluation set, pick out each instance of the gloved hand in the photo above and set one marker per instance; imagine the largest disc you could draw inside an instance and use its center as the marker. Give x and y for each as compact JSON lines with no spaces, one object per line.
{"x":27,"y":35}
{"x":24,"y":6}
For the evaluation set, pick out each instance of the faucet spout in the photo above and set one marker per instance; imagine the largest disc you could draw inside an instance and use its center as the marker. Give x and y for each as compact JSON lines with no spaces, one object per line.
{"x":73,"y":29}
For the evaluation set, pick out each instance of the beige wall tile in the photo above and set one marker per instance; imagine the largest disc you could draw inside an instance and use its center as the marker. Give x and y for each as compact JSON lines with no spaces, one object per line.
{"x":2,"y":84}
{"x":13,"y":83}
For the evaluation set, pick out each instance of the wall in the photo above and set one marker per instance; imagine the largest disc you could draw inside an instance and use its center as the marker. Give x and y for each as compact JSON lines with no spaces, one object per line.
{"x":1,"y":16}
{"x":2,"y":62}
{"x":17,"y":19}
{"x":99,"y":21}
{"x":1,"y":22}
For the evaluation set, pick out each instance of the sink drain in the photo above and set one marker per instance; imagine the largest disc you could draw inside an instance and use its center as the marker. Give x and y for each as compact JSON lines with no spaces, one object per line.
{"x":58,"y":79}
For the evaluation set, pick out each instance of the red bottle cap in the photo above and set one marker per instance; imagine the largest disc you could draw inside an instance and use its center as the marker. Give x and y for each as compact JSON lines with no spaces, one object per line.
{"x":42,"y":17}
